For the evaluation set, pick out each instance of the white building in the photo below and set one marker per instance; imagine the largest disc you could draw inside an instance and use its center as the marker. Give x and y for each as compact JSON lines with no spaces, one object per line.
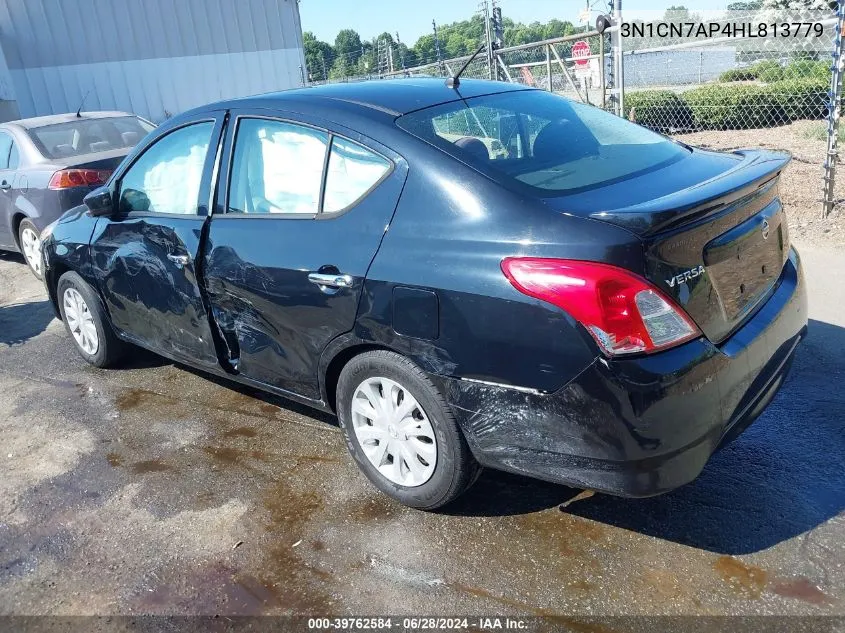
{"x":151,"y":57}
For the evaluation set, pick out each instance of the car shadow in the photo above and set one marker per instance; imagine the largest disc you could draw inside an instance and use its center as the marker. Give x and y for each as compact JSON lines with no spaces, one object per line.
{"x":263,"y":396}
{"x":20,"y":322}
{"x":783,"y":477}
{"x":140,"y":358}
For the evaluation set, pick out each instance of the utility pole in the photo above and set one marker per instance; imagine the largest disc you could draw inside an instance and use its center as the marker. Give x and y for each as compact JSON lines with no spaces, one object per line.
{"x":401,"y":54}
{"x":834,"y":111}
{"x":618,"y":65}
{"x":498,"y":38}
{"x":437,"y":46}
{"x":484,"y":7}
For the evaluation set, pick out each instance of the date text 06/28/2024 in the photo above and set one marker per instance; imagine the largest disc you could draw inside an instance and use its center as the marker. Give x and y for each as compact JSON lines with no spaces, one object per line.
{"x":388,"y":623}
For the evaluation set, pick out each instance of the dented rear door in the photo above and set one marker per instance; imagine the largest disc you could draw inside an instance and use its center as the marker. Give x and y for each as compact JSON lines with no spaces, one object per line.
{"x":300,"y":214}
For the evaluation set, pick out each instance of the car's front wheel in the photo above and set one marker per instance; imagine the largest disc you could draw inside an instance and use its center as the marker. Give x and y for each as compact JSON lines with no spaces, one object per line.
{"x":401,"y":431}
{"x":86,"y":322}
{"x":29,"y":238}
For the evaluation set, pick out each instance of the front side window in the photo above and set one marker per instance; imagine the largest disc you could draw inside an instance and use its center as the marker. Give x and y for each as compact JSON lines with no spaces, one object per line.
{"x":277,"y":167}
{"x":542,"y":142}
{"x":167,"y":176}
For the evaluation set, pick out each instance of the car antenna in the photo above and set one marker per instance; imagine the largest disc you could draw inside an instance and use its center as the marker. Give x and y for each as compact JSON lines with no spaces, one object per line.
{"x":79,"y":111}
{"x":454,"y":82}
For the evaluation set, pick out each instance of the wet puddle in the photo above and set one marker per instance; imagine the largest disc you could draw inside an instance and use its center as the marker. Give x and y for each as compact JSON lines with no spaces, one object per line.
{"x":745,"y":580}
{"x":800,"y":589}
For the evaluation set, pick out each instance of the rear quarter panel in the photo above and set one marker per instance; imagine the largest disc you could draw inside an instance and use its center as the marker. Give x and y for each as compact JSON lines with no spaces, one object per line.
{"x":451,"y":230}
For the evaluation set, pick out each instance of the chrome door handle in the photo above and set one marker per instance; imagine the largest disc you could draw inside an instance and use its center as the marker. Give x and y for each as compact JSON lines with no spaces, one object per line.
{"x":5,"y":186}
{"x":336,"y":280}
{"x":179,"y":260}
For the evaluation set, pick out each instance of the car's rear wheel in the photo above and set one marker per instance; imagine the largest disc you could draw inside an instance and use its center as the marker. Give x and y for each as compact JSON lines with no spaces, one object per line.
{"x":401,"y":431}
{"x":29,"y":238}
{"x":86,"y":322}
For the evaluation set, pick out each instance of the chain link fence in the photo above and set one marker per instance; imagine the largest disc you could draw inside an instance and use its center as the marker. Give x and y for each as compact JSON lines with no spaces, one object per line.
{"x":760,"y":74}
{"x":570,"y":66}
{"x":736,"y":70}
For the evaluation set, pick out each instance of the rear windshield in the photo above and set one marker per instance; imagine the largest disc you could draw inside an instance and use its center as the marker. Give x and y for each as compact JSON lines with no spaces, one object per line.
{"x":89,"y":136}
{"x":543,"y":142}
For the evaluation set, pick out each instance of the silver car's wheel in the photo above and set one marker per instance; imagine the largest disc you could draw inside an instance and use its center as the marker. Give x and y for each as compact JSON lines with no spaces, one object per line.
{"x":394,"y":432}
{"x":80,"y":321}
{"x":31,"y":247}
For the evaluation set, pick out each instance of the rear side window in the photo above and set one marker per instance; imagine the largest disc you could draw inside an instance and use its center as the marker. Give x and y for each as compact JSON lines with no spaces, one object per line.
{"x":542,"y":142}
{"x":277,"y":168}
{"x":353,"y":171}
{"x":88,"y":136}
{"x":5,"y":148}
{"x":14,"y":156}
{"x":167,"y":176}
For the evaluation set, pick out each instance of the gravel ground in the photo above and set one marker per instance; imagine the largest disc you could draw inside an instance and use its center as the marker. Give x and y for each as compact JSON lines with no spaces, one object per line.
{"x":155,"y":490}
{"x":801,"y":184}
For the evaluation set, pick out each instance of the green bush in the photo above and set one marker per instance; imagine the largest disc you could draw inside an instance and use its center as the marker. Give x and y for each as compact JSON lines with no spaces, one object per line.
{"x":738,"y":74}
{"x":804,"y":98}
{"x":806,"y":68}
{"x":771,"y":74}
{"x":726,"y":107}
{"x":660,"y":110}
{"x":768,"y":68}
{"x":732,"y":107}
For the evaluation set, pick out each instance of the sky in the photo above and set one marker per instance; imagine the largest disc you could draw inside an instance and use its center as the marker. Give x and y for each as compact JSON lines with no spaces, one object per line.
{"x":412,"y":18}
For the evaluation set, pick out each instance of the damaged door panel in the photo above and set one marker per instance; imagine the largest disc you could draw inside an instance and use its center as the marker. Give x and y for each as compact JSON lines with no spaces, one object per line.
{"x":302,"y":214}
{"x":146,"y":253}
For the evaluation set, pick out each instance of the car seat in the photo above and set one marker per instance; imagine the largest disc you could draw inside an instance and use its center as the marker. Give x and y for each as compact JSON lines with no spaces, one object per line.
{"x":474,"y":147}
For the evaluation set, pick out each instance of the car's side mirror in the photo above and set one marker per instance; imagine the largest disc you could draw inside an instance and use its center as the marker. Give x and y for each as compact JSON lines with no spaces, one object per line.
{"x":99,"y":202}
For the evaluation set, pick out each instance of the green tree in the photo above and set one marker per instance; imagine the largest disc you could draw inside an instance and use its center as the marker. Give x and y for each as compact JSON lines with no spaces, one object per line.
{"x":351,"y":56}
{"x":319,"y":57}
{"x":754,"y":5}
{"x":348,"y":45}
{"x":798,"y":5}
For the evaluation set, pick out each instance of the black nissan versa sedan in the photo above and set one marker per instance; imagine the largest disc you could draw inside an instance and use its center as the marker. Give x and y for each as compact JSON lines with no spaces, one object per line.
{"x":480,"y":275}
{"x":49,"y":163}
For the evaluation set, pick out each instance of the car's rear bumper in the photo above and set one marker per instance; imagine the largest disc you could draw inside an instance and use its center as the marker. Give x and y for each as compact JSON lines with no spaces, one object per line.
{"x":639,"y":426}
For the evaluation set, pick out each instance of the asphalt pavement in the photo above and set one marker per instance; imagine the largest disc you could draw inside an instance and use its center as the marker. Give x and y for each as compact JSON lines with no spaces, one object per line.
{"x":156,"y":489}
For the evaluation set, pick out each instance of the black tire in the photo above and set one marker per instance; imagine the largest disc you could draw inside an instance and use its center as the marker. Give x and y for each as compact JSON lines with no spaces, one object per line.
{"x":110,"y":349}
{"x":455,"y":468}
{"x":26,"y":224}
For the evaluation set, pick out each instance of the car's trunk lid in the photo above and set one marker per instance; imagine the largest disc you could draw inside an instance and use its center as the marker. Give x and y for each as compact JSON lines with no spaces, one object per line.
{"x":108,"y":160}
{"x":716,"y":246}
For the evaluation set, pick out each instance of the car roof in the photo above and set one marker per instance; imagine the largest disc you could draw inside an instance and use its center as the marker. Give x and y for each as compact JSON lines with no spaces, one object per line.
{"x":52,"y":119}
{"x":394,"y":97}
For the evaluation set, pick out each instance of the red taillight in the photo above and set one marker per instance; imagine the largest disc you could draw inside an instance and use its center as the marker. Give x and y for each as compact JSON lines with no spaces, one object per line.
{"x":623,"y":312}
{"x":67,"y":178}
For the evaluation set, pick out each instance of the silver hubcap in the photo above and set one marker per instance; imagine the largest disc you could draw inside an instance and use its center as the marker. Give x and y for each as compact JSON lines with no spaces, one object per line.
{"x":80,"y":321}
{"x":31,"y":244}
{"x":394,"y":432}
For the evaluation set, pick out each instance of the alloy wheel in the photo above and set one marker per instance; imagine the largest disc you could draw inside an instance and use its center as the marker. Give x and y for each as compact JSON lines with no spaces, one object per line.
{"x":80,"y":321}
{"x":394,"y":432}
{"x":31,"y":246}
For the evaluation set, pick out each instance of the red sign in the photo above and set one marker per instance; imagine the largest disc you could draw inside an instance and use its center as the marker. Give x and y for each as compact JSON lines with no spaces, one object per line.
{"x":581,"y":49}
